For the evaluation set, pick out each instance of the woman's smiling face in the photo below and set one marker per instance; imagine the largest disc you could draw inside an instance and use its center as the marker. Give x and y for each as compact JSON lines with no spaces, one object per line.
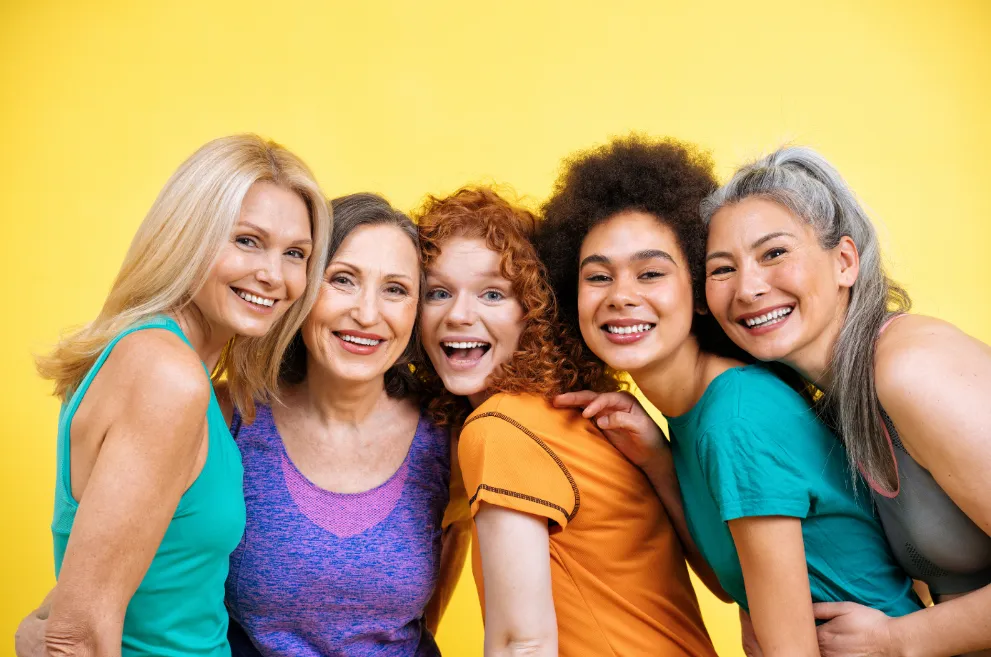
{"x":776,"y":292}
{"x":635,"y":301}
{"x":470,"y":322}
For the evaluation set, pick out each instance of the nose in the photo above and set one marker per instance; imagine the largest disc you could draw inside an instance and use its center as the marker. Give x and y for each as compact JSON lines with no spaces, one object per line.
{"x":366,"y":309}
{"x":269,"y":273}
{"x":622,"y":293}
{"x":750,"y":283}
{"x":462,"y":311}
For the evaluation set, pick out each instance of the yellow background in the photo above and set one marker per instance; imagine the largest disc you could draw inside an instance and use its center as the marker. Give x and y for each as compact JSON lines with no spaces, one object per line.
{"x":102,"y":100}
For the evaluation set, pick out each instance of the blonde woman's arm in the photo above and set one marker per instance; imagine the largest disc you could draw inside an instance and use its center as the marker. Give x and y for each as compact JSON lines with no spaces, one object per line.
{"x":147,"y":458}
{"x":29,"y":639}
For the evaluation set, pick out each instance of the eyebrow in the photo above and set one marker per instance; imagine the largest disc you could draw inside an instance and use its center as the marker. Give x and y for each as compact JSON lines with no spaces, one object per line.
{"x":266,"y":235}
{"x":758,"y":242}
{"x":646,"y":254}
{"x":488,"y":274}
{"x":347,"y":264}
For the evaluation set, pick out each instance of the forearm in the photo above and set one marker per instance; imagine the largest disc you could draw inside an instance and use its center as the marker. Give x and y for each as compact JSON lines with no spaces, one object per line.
{"x":662,"y":477}
{"x":949,"y":628}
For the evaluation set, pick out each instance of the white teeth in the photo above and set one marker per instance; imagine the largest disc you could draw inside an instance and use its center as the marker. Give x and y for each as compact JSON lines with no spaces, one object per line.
{"x":624,"y":330}
{"x":463,"y":345}
{"x":355,"y":339}
{"x":261,"y":301}
{"x":768,"y":317}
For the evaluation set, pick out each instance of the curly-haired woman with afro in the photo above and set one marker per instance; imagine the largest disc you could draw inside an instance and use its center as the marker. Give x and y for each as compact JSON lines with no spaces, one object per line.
{"x":765,"y":484}
{"x":573,"y":553}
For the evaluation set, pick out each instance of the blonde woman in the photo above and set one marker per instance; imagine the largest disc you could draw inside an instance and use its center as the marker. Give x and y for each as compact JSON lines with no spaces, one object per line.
{"x":148,"y":500}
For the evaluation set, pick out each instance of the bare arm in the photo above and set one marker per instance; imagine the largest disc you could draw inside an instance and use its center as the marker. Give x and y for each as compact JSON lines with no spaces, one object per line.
{"x":776,"y":577}
{"x":29,"y":639}
{"x":631,"y":430}
{"x":519,"y":606}
{"x":932,"y":380}
{"x":145,"y":463}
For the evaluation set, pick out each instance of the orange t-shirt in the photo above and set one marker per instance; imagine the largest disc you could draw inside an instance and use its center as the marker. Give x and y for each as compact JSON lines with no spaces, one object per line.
{"x":619,"y":578}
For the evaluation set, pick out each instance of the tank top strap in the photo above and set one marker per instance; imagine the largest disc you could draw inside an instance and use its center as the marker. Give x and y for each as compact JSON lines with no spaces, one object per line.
{"x":75,"y":396}
{"x":889,"y":321}
{"x":885,"y":423}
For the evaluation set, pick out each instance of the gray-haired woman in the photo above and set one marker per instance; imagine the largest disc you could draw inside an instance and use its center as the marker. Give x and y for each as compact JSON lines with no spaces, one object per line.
{"x":794,"y":274}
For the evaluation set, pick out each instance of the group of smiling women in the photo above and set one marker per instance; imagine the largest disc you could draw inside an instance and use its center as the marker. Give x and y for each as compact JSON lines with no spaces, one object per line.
{"x":288,"y":415}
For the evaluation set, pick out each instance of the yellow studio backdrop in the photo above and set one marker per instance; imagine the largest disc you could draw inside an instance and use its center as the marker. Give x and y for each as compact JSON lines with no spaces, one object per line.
{"x":102,"y":100}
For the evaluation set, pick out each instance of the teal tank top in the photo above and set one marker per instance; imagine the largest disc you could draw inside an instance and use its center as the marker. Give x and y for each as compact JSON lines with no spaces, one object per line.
{"x":178,"y":609}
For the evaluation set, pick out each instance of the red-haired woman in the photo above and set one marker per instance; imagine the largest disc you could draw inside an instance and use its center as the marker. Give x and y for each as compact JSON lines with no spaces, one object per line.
{"x":573,"y":554}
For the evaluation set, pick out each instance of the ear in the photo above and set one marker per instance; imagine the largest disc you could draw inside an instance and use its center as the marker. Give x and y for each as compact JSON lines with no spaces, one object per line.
{"x":847,"y":262}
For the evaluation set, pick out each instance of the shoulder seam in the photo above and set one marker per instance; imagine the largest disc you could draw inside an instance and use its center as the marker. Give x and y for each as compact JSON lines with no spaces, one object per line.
{"x":550,"y":452}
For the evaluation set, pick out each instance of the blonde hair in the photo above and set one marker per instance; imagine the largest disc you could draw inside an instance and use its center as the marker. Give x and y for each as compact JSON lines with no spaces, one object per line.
{"x":172,"y":253}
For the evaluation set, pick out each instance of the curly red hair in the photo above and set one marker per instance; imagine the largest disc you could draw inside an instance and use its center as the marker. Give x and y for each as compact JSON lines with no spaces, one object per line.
{"x":546,"y":362}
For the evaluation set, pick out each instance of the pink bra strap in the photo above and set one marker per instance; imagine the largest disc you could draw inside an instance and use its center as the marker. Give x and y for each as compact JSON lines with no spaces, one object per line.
{"x":888,"y":321}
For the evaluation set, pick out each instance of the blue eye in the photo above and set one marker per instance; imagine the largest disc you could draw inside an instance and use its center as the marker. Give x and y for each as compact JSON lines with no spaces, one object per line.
{"x":437,"y":294}
{"x":493,"y":295}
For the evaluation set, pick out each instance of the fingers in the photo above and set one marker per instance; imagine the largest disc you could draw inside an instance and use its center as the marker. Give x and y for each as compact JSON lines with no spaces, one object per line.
{"x":575,"y":399}
{"x":830,"y":610}
{"x":609,"y":403}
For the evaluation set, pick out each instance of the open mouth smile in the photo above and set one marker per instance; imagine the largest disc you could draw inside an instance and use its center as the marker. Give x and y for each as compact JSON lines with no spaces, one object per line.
{"x":255,"y":301}
{"x":359,"y":343}
{"x":626,"y":333}
{"x":464,"y":354}
{"x":765,"y":320}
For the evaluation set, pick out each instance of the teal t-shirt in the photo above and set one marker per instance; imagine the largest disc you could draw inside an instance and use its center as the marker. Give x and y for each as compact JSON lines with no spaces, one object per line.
{"x":178,"y":609}
{"x":752,"y":446}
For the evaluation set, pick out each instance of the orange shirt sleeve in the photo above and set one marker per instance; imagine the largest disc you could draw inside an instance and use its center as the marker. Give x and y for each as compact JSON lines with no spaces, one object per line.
{"x":506,"y":462}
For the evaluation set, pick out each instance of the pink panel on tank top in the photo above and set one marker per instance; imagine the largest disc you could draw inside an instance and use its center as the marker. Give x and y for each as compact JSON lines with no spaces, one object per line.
{"x":344,"y":514}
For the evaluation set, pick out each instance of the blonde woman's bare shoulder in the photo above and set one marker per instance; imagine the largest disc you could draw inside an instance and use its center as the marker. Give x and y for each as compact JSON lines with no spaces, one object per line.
{"x":154,"y":367}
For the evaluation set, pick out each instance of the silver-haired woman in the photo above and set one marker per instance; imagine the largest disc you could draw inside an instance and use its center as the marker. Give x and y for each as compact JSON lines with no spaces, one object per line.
{"x":794,"y":275}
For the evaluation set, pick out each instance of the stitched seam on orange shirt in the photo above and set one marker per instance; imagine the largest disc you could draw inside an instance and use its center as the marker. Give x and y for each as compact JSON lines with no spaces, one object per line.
{"x":522,"y":496}
{"x":536,"y":439}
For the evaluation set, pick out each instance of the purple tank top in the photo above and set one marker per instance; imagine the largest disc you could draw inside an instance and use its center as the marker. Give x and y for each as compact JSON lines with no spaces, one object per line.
{"x":335,"y":574}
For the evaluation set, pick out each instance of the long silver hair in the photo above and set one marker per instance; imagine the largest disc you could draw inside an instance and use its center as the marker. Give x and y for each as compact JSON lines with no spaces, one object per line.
{"x":801,"y":180}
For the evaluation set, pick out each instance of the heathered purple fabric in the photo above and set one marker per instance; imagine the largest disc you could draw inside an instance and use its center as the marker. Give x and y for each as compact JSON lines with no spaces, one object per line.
{"x":331,"y":574}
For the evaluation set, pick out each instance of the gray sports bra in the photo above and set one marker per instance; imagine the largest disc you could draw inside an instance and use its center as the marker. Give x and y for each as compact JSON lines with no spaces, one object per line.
{"x":930,"y":536}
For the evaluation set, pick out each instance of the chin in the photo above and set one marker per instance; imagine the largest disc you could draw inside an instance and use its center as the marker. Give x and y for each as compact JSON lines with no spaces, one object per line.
{"x":461,"y":387}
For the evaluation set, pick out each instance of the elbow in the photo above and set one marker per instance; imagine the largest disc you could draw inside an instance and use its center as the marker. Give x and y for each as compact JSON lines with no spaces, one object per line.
{"x":66,"y":636}
{"x":68,"y":640}
{"x":531,"y":648}
{"x":525,"y":646}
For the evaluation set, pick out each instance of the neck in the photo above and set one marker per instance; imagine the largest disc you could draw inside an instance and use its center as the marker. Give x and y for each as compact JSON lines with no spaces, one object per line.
{"x":338,"y":401}
{"x":479,"y":398}
{"x":208,"y":341}
{"x":675,"y":384}
{"x":814,"y":359}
